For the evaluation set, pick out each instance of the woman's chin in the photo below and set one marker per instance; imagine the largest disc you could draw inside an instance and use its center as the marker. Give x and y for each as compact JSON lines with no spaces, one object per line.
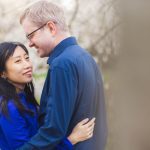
{"x":28,"y":81}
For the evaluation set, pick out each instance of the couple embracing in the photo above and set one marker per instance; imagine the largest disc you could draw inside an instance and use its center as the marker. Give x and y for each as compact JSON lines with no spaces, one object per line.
{"x":72,"y":95}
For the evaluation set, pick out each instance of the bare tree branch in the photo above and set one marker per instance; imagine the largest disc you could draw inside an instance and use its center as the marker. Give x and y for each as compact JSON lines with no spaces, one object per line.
{"x":74,"y":13}
{"x":101,"y":38}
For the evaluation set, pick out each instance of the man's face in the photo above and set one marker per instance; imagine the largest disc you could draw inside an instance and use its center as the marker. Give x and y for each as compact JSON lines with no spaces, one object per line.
{"x":39,"y":37}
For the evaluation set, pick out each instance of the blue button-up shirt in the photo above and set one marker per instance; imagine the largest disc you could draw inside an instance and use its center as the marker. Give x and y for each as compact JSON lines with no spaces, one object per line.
{"x":73,"y":91}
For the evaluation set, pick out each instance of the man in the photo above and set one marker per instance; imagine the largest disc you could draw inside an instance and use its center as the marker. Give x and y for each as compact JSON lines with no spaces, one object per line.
{"x":73,"y":89}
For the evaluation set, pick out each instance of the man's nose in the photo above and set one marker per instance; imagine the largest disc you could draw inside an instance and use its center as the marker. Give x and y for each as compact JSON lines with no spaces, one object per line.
{"x":31,"y":44}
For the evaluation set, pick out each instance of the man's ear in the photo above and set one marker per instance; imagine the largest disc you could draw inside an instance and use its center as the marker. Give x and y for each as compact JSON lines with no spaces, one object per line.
{"x":52,"y":27}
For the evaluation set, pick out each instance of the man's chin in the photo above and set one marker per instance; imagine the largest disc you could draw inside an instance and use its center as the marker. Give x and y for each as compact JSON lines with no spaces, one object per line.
{"x":41,"y":55}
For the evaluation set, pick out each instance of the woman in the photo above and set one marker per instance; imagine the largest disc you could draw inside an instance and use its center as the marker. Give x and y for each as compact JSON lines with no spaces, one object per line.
{"x":18,"y":107}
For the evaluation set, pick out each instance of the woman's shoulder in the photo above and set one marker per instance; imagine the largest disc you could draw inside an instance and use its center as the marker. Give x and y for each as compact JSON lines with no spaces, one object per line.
{"x":12,"y":109}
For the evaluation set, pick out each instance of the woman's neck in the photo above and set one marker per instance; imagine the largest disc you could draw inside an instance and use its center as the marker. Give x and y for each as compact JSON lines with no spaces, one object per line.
{"x":19,"y":87}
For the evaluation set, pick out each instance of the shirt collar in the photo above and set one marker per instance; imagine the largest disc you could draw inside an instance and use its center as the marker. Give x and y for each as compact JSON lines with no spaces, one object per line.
{"x":61,"y":47}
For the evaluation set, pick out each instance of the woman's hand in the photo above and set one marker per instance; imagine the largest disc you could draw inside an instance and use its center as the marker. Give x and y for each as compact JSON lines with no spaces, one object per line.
{"x":82,"y":131}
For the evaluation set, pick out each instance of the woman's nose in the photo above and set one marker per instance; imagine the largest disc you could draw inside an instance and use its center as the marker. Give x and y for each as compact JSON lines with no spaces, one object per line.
{"x":27,"y":64}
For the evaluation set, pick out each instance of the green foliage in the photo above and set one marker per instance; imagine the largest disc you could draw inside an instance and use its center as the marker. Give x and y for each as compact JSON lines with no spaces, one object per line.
{"x":39,"y":76}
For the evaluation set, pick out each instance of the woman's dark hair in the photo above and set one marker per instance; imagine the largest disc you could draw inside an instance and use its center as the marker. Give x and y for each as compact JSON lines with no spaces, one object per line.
{"x":7,"y":90}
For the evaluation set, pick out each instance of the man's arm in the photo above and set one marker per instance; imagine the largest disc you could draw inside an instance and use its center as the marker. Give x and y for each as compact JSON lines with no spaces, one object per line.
{"x":60,"y":107}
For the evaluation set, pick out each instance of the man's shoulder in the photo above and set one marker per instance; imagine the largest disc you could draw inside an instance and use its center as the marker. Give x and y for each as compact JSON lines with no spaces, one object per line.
{"x":69,"y":56}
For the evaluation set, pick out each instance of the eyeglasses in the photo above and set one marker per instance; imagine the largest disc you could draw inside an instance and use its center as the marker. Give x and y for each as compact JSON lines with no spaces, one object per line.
{"x":30,"y":35}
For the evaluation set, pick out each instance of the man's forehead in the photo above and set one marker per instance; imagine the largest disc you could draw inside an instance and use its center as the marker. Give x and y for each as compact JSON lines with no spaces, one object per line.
{"x":28,"y":24}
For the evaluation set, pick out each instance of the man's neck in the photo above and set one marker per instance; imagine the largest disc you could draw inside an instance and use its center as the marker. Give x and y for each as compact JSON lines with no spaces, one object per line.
{"x":61,"y":37}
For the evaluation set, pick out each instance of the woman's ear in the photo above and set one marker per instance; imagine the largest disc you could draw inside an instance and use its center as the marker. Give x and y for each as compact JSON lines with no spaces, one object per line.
{"x":3,"y":75}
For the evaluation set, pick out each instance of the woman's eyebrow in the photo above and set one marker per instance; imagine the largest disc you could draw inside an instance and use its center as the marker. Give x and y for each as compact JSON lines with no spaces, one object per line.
{"x":16,"y":56}
{"x":19,"y":56}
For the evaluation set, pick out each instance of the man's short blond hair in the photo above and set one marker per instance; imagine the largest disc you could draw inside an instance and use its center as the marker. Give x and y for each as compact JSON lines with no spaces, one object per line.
{"x":43,"y":11}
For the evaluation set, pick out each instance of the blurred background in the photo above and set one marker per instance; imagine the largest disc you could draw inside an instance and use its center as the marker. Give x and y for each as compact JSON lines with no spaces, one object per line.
{"x":117,"y":34}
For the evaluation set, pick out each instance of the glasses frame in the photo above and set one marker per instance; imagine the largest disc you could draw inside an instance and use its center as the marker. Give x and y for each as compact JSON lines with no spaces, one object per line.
{"x":28,"y":36}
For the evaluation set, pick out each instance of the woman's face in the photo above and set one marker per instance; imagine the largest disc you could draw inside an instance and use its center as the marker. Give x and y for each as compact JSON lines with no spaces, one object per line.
{"x":19,"y":67}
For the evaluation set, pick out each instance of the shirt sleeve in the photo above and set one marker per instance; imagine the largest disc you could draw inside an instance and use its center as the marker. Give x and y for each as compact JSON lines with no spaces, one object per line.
{"x":64,"y":145}
{"x":60,"y":106}
{"x":14,"y":128}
